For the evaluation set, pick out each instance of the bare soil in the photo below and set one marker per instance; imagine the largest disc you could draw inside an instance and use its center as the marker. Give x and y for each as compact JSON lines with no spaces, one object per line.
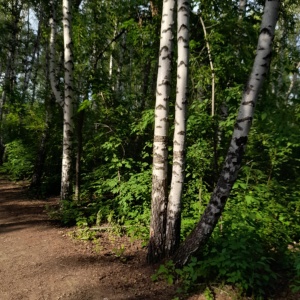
{"x":40,"y":261}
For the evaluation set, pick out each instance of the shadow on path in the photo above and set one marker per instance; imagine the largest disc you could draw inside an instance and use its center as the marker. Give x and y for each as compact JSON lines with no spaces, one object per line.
{"x":17,"y":212}
{"x":39,"y":261}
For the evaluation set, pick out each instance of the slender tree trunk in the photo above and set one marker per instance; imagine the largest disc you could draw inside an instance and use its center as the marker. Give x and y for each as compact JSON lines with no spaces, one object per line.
{"x":292,"y":84}
{"x":16,"y":12}
{"x":214,"y":120}
{"x":208,"y":221}
{"x":80,"y":122}
{"x":28,"y":71}
{"x":68,"y":128}
{"x":67,"y":102}
{"x":145,"y":87}
{"x":160,"y":144}
{"x":178,"y":171}
{"x":34,"y":78}
{"x":242,"y":8}
{"x":41,"y":156}
{"x":52,"y":58}
{"x":5,"y":89}
{"x":153,"y":8}
{"x":38,"y":169}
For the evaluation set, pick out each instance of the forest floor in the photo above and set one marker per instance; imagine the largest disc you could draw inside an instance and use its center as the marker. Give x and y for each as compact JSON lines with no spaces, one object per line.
{"x":39,"y":260}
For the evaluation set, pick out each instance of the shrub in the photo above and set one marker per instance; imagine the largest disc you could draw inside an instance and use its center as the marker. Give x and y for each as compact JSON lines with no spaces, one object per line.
{"x":18,"y":160}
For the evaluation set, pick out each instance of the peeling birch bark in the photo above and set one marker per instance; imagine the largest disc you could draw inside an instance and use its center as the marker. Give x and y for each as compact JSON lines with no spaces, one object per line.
{"x":160,"y":144}
{"x":228,"y":176}
{"x":178,"y":170}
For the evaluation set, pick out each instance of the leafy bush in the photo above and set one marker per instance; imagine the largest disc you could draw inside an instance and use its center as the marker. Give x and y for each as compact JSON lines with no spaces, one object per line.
{"x":18,"y":161}
{"x":295,"y":283}
{"x":237,"y":258}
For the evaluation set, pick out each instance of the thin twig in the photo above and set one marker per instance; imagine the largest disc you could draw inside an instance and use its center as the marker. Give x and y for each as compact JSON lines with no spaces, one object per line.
{"x":212,"y":69}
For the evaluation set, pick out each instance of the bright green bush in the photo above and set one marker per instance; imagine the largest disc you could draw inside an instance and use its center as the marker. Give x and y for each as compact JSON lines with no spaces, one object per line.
{"x":18,"y":161}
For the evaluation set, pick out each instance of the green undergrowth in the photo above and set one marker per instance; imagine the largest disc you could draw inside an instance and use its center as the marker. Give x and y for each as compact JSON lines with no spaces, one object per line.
{"x":241,"y":259}
{"x":18,"y":161}
{"x":86,"y":214}
{"x":253,"y":248}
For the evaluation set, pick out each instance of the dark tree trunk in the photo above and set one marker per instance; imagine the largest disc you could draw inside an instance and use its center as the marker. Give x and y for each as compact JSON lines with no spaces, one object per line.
{"x":80,"y":122}
{"x":38,"y":169}
{"x":2,"y":150}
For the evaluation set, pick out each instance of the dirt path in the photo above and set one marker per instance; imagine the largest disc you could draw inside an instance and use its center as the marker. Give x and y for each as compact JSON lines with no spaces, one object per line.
{"x":39,"y":261}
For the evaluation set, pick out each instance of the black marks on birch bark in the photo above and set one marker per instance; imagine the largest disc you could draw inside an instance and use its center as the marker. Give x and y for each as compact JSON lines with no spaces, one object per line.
{"x":266,"y":31}
{"x":252,"y":103}
{"x":160,"y":106}
{"x":182,"y":63}
{"x":184,"y":27}
{"x":268,"y":56}
{"x":166,"y":30}
{"x":158,"y":93}
{"x":242,"y":141}
{"x":178,"y":106}
{"x":246,"y":119}
{"x":248,"y":89}
{"x":158,"y":221}
{"x":160,"y":139}
{"x":223,"y":199}
{"x":184,"y":7}
{"x":167,"y":57}
{"x":178,"y":154}
{"x":165,"y":82}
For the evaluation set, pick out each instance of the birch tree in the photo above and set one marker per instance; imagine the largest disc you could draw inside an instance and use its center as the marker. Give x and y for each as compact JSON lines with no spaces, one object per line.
{"x":68,"y":128}
{"x":65,"y":102}
{"x":160,"y":144}
{"x":178,"y":170}
{"x":228,"y":176}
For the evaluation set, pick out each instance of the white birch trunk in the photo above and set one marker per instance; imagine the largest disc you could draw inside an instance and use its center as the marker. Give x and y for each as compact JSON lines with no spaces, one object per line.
{"x":111,"y":58}
{"x":209,"y":219}
{"x":178,"y":171}
{"x":160,"y":144}
{"x":68,"y":128}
